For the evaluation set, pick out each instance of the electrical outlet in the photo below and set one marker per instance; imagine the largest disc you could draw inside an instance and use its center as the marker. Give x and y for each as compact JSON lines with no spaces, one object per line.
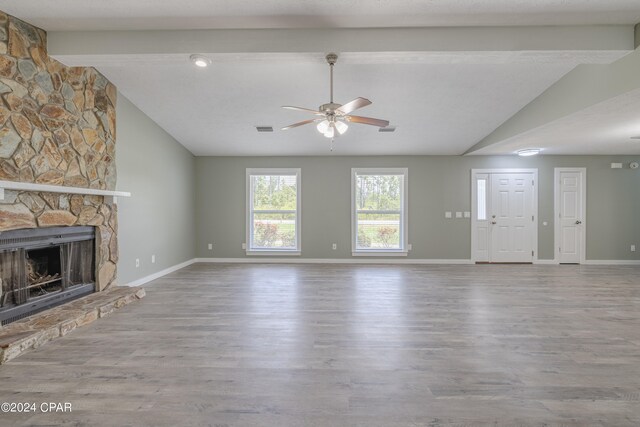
{"x":467,"y":214}
{"x":210,"y":246}
{"x":334,"y":246}
{"x":458,"y":214}
{"x":137,"y":262}
{"x":447,"y":215}
{"x":244,"y":246}
{"x":153,"y":259}
{"x":633,"y":248}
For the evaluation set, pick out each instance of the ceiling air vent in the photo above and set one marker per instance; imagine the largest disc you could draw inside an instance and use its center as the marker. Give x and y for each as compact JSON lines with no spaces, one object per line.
{"x":387,"y":129}
{"x":264,"y":128}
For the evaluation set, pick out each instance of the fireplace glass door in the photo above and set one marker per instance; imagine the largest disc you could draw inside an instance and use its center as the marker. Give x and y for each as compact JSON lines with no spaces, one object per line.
{"x":43,"y":270}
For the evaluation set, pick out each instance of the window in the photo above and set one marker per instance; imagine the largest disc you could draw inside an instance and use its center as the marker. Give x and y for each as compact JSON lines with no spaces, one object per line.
{"x":273,"y":211}
{"x":379,"y":211}
{"x":482,"y":199}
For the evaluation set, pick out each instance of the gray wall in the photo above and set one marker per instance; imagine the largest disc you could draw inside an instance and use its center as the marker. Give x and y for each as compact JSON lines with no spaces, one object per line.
{"x":159,"y":218}
{"x":436,"y":184}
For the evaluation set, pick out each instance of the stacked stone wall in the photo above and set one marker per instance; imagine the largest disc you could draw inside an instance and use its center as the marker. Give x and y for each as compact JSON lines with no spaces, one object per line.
{"x":57,"y":127}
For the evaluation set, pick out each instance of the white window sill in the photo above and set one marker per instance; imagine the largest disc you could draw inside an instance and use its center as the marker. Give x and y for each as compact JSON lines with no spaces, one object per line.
{"x":268,"y":252}
{"x":379,"y":253}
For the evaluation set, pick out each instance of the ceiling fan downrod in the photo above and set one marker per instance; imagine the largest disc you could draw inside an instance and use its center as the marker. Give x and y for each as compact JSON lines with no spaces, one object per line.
{"x":332,"y":58}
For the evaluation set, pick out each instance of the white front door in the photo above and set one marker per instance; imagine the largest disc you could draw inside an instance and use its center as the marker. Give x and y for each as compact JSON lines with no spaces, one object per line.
{"x":570,"y":229}
{"x":511,"y":217}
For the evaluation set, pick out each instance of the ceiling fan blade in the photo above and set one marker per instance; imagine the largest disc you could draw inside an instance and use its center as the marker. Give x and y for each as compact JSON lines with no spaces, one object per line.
{"x":367,"y":121}
{"x":305,"y":122}
{"x":308,"y":110}
{"x":353,"y":105}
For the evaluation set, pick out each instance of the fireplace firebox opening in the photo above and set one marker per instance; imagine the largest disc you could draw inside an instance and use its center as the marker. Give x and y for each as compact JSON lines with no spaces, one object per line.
{"x":44,"y":267}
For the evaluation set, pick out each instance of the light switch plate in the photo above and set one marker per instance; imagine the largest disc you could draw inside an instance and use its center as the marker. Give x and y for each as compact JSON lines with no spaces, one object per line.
{"x":447,"y":215}
{"x":616,"y":165}
{"x":467,"y":214}
{"x":458,"y":214}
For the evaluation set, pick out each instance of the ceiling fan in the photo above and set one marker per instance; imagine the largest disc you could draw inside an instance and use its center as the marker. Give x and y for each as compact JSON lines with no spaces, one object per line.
{"x":333,"y":118}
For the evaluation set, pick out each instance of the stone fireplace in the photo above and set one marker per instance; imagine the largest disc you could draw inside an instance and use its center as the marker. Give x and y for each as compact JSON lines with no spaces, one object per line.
{"x":57,"y":132}
{"x":58,"y":217}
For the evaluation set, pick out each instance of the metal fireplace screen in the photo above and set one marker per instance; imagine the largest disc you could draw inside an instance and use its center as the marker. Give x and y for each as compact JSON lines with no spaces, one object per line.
{"x":45,"y":267}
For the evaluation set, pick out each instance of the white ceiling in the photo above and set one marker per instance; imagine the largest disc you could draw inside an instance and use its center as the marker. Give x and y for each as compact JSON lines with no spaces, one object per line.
{"x":605,"y":128}
{"x":437,"y":108}
{"x":70,"y":15}
{"x":441,"y":102}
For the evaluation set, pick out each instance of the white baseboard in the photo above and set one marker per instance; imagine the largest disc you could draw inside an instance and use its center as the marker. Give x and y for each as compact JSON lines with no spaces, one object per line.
{"x":332,"y":261}
{"x":187,"y":263}
{"x":387,"y":261}
{"x":612,"y":262}
{"x":595,"y":262}
{"x":160,"y":273}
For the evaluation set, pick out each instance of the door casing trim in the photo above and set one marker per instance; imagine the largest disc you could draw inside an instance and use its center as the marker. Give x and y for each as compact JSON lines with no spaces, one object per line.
{"x":556,"y":211}
{"x":474,"y":206}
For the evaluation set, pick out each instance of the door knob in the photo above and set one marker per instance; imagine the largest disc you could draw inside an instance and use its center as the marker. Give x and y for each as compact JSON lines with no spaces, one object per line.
{"x":578,"y":222}
{"x":493,"y":222}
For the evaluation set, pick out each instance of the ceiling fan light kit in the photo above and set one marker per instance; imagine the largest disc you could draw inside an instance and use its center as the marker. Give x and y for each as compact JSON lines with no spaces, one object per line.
{"x":333,"y":117}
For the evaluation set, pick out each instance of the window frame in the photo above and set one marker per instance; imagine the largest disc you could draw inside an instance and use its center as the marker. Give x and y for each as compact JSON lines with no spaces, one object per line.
{"x":404,"y":213}
{"x":250,"y":211}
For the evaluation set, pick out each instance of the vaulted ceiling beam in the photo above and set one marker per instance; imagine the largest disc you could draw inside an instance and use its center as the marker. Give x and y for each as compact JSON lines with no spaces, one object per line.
{"x":589,"y":44}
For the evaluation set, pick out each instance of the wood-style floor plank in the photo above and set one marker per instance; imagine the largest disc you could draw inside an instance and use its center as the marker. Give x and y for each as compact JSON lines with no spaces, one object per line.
{"x":350,"y":345}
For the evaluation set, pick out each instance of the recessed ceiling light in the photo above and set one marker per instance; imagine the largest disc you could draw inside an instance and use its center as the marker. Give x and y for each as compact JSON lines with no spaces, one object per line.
{"x":200,"y":61}
{"x":264,"y":128}
{"x":528,"y":152}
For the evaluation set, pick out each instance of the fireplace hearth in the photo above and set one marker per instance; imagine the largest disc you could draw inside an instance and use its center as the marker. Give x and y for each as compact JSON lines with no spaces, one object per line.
{"x":44,"y":267}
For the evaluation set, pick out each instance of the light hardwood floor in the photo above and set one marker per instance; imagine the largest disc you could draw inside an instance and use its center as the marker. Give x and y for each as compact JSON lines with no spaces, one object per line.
{"x":345,"y":345}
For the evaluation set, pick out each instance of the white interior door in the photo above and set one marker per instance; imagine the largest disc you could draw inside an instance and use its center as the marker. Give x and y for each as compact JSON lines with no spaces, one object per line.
{"x":570,"y":207}
{"x":512,"y":217}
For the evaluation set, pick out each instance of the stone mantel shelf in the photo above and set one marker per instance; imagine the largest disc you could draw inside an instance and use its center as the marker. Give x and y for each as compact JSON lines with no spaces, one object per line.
{"x":46,"y":188}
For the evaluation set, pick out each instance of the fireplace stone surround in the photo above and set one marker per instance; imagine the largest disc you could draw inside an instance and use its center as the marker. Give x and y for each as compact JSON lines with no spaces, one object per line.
{"x":57,"y":129}
{"x":57,"y":171}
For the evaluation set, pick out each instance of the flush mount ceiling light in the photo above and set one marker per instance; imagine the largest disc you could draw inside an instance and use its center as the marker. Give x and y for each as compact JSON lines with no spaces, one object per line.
{"x":528,"y":152}
{"x":200,"y":61}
